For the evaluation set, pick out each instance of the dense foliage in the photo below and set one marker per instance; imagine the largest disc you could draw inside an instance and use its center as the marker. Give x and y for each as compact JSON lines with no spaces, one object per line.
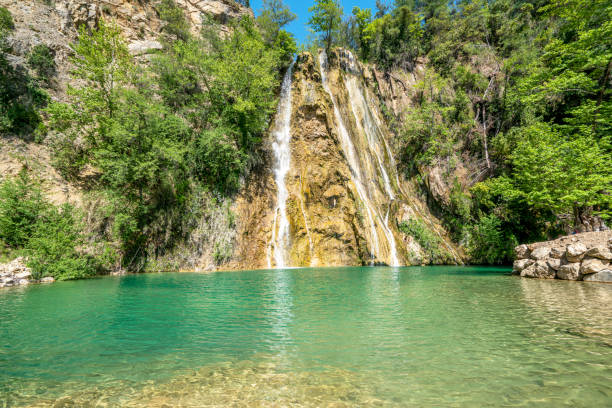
{"x":150,"y":139}
{"x":50,"y":237}
{"x":517,"y":91}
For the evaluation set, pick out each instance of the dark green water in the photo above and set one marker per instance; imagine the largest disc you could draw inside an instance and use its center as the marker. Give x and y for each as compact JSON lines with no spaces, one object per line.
{"x":435,"y":336}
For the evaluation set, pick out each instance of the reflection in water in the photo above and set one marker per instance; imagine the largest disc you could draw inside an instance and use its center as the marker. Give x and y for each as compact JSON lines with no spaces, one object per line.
{"x":280,"y":312}
{"x":575,"y":308}
{"x":424,"y":337}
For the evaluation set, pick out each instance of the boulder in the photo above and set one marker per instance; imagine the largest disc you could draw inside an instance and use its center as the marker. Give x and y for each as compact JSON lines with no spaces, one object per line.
{"x":540,"y":253}
{"x":47,"y":279}
{"x":575,"y":252}
{"x":539,"y":269}
{"x":554,"y":263}
{"x":603,"y":276}
{"x":144,"y":47}
{"x":593,"y":265}
{"x":557,"y":252}
{"x":7,"y":280}
{"x":521,"y":251}
{"x":569,"y":272}
{"x":23,"y":275}
{"x":600,"y":252}
{"x":23,"y":282}
{"x":521,"y":264}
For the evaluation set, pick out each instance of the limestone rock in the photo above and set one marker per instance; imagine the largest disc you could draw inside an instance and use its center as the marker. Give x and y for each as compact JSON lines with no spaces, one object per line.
{"x":521,"y":251}
{"x":521,"y":264}
{"x":23,"y":275}
{"x":8,"y":281}
{"x":540,"y":253}
{"x":554,"y":263}
{"x":600,"y":252}
{"x":539,"y":269}
{"x":23,"y":282}
{"x":603,"y":276}
{"x":557,"y":252}
{"x":569,"y":272}
{"x":144,"y":47}
{"x":575,"y":252}
{"x":47,"y":279}
{"x":593,"y":265}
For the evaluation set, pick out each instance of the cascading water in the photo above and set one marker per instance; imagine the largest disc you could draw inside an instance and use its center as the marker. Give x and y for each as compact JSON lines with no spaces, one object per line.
{"x":375,"y":138}
{"x":351,"y":155}
{"x":282,"y":153}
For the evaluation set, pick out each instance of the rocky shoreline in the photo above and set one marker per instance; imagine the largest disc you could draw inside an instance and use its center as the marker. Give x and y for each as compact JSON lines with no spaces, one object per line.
{"x":580,"y":257}
{"x":16,"y":273}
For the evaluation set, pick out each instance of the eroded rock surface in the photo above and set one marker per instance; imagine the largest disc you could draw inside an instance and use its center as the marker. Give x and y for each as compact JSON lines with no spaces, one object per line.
{"x":14,"y":273}
{"x":586,"y":256}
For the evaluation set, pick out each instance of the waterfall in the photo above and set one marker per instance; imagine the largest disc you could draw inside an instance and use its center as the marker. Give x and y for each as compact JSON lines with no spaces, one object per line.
{"x":351,"y":155}
{"x":282,"y":153}
{"x":375,"y":137}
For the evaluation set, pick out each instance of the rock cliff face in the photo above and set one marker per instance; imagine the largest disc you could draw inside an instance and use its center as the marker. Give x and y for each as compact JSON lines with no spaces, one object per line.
{"x":55,"y":23}
{"x":345,"y":196}
{"x":586,"y":256}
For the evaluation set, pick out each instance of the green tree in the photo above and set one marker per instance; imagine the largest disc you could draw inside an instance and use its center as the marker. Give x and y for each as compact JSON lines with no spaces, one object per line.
{"x":53,"y":248}
{"x":363,"y":17}
{"x":273,"y":16}
{"x":21,"y":206}
{"x":326,"y":18}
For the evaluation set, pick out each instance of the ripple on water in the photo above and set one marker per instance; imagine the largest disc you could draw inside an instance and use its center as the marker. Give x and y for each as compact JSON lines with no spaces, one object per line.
{"x":424,"y":337}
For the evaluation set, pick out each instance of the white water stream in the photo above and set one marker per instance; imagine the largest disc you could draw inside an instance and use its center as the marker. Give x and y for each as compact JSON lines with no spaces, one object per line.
{"x":351,"y":155}
{"x":282,"y":153}
{"x":375,"y":137}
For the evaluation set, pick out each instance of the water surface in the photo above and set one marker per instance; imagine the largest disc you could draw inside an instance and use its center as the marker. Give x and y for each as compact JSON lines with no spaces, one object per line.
{"x":434,"y":336}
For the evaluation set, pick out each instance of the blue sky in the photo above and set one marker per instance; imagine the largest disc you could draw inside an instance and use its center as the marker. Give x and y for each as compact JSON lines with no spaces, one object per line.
{"x":299,"y":27}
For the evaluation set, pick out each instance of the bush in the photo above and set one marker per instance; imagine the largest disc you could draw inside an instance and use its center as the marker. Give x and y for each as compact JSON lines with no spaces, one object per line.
{"x":489,"y":243}
{"x":6,"y":20}
{"x":217,"y":160}
{"x":21,"y":206}
{"x":426,"y":239}
{"x":42,"y":61}
{"x":52,"y":249}
{"x":49,"y":236}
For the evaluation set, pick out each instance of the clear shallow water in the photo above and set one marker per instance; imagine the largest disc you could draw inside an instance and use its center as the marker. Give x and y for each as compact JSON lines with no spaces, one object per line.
{"x":434,"y":336}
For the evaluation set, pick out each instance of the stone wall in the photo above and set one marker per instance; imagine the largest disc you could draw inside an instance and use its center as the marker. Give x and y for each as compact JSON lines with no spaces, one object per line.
{"x":586,"y":256}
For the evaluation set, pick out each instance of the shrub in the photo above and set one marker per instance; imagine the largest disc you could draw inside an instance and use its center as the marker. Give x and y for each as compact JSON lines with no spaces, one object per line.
{"x":426,"y":239}
{"x":42,"y":61}
{"x":52,"y":249}
{"x":6,"y":20}
{"x":21,"y":206}
{"x":49,"y":236}
{"x":489,"y":243}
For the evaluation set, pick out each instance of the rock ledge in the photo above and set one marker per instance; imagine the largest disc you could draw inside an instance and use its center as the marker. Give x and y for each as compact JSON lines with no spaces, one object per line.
{"x":586,"y":256}
{"x":16,"y":273}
